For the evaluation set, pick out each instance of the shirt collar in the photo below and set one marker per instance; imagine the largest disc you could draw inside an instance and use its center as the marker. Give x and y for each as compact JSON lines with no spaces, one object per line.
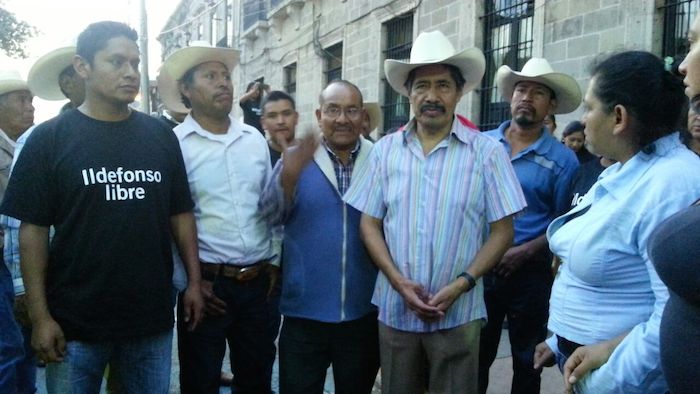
{"x":191,"y":126}
{"x":459,"y":131}
{"x":9,"y":140}
{"x":618,"y":178}
{"x":353,"y":153}
{"x":541,"y":146}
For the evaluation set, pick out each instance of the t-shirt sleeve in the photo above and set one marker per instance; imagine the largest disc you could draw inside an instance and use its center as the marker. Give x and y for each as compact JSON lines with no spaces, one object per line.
{"x":31,"y":195}
{"x":366,"y":193}
{"x":180,"y":197}
{"x":504,"y":195}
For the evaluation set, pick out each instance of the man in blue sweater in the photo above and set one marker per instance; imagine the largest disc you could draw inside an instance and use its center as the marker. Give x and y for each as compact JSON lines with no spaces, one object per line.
{"x":327,"y":276}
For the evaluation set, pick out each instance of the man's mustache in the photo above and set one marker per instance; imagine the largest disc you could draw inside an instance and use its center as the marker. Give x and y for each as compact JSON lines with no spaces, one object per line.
{"x":432,"y":107}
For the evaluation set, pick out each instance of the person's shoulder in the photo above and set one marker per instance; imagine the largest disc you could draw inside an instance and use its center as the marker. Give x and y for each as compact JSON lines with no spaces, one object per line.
{"x":248,"y":131}
{"x":561,"y":153}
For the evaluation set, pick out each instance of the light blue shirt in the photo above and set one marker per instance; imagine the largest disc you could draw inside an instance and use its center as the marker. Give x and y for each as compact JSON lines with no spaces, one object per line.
{"x":607,"y":285}
{"x":436,"y":208}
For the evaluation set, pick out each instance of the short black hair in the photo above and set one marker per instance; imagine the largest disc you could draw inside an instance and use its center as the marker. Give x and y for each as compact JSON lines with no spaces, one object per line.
{"x":573,"y":127}
{"x":638,"y":81}
{"x":453,"y":70}
{"x":187,"y":79}
{"x":342,"y":82}
{"x":96,"y":35}
{"x":277,"y":95}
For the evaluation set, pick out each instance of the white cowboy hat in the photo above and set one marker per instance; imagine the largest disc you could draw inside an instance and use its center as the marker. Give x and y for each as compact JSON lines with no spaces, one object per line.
{"x":375,"y":114}
{"x":565,"y":88}
{"x":434,"y":48}
{"x":43,"y":76}
{"x":11,"y":81}
{"x":181,"y":61}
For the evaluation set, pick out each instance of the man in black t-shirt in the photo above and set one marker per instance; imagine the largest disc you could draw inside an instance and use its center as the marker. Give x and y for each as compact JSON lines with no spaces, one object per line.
{"x":113,"y":184}
{"x":250,"y":104}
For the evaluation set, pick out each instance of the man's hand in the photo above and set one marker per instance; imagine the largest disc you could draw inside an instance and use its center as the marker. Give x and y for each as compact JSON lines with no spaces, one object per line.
{"x":213,"y":305}
{"x":294,"y":160}
{"x":544,"y":356}
{"x":584,"y":360}
{"x":21,"y":312}
{"x":417,"y":299}
{"x":512,"y":260}
{"x":274,"y":272}
{"x":444,"y":298}
{"x":48,"y":341}
{"x":193,"y":306}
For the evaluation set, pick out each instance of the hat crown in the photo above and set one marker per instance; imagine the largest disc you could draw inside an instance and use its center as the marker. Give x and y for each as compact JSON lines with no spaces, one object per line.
{"x":537,"y":66}
{"x":431,"y":46}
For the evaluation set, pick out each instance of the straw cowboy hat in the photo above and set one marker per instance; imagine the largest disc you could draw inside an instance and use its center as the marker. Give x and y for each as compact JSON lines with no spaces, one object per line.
{"x":181,"y":61}
{"x":565,"y":87}
{"x":43,"y":76}
{"x":374,"y":111}
{"x":11,"y":81}
{"x":434,"y":48}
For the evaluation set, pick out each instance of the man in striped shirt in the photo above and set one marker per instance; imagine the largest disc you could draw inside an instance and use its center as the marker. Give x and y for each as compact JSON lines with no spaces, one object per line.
{"x":437,"y":202}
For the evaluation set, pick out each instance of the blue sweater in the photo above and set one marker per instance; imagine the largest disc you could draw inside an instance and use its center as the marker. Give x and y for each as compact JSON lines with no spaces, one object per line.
{"x":327,"y":274}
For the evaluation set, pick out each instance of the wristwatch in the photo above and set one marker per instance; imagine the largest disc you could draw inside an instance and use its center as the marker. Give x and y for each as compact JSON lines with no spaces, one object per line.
{"x":470,"y":280}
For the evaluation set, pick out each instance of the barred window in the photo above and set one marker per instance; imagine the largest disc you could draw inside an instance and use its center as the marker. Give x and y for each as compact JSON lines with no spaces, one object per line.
{"x":290,"y":79}
{"x":334,"y":62}
{"x":678,"y":15}
{"x":253,"y":11}
{"x":508,"y":31}
{"x":398,"y":42}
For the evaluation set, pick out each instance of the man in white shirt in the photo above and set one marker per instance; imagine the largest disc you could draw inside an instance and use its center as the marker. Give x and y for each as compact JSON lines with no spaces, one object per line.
{"x":228,"y":164}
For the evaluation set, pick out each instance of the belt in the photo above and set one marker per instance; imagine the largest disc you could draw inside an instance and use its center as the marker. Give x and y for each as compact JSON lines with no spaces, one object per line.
{"x":566,"y":346}
{"x":238,"y":273}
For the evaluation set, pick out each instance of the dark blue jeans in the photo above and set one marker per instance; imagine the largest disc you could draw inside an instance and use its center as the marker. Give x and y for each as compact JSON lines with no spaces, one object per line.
{"x":11,"y":346}
{"x":246,"y":327}
{"x":309,"y":347}
{"x":524,"y":299}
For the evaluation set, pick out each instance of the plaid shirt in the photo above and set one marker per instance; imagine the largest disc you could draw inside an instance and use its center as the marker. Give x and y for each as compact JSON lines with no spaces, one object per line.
{"x":343,"y":173}
{"x":11,"y":251}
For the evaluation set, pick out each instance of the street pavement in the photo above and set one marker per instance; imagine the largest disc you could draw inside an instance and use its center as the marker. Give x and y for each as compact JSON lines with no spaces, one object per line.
{"x":500,"y":375}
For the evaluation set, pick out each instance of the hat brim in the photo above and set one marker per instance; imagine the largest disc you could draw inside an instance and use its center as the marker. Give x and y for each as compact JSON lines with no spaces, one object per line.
{"x":470,"y":62}
{"x":43,"y":76}
{"x":566,"y":90}
{"x":177,"y":64}
{"x":12,"y":85}
{"x":374,"y":111}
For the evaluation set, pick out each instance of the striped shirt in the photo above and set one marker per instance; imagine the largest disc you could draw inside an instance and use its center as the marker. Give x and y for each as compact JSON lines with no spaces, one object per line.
{"x":435,"y":210}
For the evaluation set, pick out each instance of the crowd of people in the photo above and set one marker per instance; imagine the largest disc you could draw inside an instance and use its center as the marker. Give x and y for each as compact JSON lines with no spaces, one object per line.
{"x":401,"y":256}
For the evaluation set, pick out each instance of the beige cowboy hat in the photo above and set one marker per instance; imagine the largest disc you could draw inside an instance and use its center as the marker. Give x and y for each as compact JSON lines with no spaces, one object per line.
{"x":565,"y":87}
{"x":11,"y":81}
{"x":374,"y":111}
{"x":182,"y":60}
{"x":43,"y":76}
{"x":434,"y":48}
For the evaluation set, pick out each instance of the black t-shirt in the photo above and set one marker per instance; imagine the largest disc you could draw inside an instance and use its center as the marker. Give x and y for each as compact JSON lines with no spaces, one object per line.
{"x":109,"y":189}
{"x":274,"y":156}
{"x":586,"y":175}
{"x":251,"y":114}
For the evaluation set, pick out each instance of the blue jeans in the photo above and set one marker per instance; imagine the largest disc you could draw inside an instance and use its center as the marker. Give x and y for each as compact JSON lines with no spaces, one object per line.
{"x":140,"y":365}
{"x":11,"y":341}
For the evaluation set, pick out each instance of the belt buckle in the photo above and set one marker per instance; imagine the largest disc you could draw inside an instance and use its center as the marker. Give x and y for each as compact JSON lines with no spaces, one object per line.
{"x":245,"y":274}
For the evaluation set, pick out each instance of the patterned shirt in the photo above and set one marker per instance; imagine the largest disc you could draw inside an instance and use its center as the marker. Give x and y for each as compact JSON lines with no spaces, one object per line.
{"x":343,"y":172}
{"x":436,"y":209}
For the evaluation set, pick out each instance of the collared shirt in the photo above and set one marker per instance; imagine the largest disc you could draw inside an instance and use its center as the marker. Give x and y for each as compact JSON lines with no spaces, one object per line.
{"x":11,"y":225}
{"x":435,"y":209}
{"x":343,"y":172}
{"x":607,"y":284}
{"x":545,"y":170}
{"x":227,"y":174}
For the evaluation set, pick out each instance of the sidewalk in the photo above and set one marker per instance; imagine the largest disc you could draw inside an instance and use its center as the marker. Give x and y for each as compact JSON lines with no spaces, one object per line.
{"x":499,"y":378}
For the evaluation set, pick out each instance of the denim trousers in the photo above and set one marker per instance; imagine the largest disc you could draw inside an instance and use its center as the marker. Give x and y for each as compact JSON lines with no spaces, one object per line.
{"x":248,"y":327}
{"x":139,"y":366}
{"x":11,"y":341}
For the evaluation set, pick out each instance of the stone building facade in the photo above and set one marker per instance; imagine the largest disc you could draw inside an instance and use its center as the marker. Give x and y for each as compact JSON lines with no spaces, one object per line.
{"x":299,"y":46}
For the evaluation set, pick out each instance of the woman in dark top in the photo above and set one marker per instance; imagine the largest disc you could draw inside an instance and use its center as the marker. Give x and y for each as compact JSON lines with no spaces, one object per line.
{"x":674,"y":247}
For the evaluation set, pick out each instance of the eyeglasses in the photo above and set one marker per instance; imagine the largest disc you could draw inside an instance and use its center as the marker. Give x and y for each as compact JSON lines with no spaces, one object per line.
{"x":334,"y":112}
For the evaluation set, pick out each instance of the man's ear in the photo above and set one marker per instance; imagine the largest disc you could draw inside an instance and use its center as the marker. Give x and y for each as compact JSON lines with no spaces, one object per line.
{"x":622,"y":119}
{"x":82,"y":66}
